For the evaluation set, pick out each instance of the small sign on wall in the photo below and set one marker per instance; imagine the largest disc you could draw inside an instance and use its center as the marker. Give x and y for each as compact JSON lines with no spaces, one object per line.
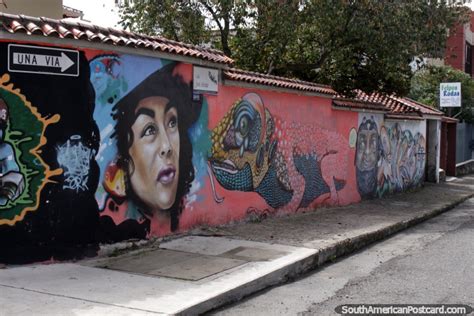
{"x":205,"y":79}
{"x":450,"y":94}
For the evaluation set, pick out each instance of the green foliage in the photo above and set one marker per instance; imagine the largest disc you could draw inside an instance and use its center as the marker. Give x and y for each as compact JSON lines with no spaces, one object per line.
{"x":349,"y":44}
{"x":367,"y":44}
{"x":425,"y":89}
{"x":179,"y":20}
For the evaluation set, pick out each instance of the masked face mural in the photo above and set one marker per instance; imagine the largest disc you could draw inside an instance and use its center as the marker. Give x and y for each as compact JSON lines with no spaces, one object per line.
{"x":367,"y":155}
{"x":389,"y":159}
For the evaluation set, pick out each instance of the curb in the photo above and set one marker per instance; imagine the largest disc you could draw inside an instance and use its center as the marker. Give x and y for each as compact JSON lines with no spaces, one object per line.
{"x":316,"y":260}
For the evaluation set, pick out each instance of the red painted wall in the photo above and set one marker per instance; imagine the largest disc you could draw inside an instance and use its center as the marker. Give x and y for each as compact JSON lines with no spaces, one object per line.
{"x":305,"y":124}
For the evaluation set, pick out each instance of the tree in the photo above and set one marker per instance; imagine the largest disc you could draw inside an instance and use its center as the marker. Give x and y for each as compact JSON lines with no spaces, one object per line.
{"x":368,"y":44}
{"x":425,"y":89}
{"x":349,"y":44}
{"x":190,"y":21}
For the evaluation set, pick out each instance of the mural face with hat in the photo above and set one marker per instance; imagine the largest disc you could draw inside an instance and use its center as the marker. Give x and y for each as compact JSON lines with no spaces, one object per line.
{"x":146,"y":160}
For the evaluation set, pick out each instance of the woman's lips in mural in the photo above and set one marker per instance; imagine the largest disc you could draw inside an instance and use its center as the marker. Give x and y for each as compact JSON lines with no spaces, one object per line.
{"x":166,"y":175}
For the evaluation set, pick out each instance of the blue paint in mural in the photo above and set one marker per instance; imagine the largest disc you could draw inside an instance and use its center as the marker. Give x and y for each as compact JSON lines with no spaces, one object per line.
{"x":200,"y":137}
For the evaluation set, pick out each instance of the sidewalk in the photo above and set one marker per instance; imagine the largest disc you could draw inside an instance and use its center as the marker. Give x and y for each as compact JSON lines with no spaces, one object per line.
{"x":210,"y":267}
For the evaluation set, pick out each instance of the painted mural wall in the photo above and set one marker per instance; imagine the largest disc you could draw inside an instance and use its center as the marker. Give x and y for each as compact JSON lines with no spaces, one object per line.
{"x":390,"y":155}
{"x":114,"y":146}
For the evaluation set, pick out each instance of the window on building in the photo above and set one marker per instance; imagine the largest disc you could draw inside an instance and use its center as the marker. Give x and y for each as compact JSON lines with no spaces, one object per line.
{"x":468,"y":63}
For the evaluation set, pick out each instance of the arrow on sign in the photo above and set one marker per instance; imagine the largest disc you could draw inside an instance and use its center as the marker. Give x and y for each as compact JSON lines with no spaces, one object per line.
{"x":63,"y":61}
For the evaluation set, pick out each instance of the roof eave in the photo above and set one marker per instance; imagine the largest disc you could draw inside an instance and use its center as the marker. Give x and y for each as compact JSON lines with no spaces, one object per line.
{"x":74,"y":43}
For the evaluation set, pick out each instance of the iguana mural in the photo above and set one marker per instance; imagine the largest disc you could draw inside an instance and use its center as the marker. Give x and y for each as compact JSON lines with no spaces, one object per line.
{"x":289,"y":164}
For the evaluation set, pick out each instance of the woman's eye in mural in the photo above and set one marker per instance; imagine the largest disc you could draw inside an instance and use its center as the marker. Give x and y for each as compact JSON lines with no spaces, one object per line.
{"x":97,"y":67}
{"x":173,"y":122}
{"x":149,"y":130}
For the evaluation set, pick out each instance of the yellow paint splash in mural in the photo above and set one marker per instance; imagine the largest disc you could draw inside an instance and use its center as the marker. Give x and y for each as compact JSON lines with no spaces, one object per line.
{"x":23,"y":136}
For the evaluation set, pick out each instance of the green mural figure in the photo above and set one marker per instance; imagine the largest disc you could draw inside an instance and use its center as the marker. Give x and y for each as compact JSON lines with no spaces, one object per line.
{"x":12,"y":181}
{"x":23,"y":173}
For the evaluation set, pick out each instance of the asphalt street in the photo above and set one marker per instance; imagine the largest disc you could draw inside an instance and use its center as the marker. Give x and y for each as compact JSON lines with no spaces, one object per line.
{"x":431,"y":263}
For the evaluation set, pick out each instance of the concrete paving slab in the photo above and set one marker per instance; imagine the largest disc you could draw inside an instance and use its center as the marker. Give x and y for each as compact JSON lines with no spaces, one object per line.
{"x":197,"y":267}
{"x":144,"y":262}
{"x":215,"y":246}
{"x":253,"y":254}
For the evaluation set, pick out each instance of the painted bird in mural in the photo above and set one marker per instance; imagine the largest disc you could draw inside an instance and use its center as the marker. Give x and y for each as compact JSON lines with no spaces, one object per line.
{"x":289,"y":164}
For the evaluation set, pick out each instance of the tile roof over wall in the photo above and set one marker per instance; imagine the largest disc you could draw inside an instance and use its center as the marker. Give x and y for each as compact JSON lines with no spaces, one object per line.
{"x":393,"y":106}
{"x":83,"y":31}
{"x":275,"y":81}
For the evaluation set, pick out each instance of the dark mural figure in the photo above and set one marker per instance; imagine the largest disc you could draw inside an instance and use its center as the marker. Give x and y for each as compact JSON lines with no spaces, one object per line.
{"x":64,"y":226}
{"x":367,"y":156}
{"x":153,"y":144}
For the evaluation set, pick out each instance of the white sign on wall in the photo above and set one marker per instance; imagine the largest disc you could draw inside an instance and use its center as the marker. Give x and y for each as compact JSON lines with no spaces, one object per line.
{"x":205,"y":79}
{"x":450,"y":94}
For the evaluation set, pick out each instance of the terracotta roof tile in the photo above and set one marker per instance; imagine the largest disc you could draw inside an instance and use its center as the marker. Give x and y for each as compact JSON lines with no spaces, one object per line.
{"x":359,"y":104}
{"x":80,"y":30}
{"x":258,"y":78}
{"x":395,"y":106}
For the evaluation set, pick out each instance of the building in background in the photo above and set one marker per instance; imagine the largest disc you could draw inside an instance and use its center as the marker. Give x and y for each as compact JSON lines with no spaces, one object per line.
{"x":99,"y":12}
{"x":69,"y":12}
{"x":458,"y":53}
{"x":53,"y":9}
{"x":47,"y":8}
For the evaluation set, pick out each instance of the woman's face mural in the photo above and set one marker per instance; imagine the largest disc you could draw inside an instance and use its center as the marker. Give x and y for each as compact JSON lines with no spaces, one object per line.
{"x":154,"y":153}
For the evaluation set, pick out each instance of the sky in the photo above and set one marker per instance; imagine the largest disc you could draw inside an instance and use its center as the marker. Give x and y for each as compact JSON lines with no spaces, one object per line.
{"x":99,"y":12}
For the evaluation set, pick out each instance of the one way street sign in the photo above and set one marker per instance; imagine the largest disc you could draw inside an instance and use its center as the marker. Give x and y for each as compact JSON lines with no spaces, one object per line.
{"x":43,"y":60}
